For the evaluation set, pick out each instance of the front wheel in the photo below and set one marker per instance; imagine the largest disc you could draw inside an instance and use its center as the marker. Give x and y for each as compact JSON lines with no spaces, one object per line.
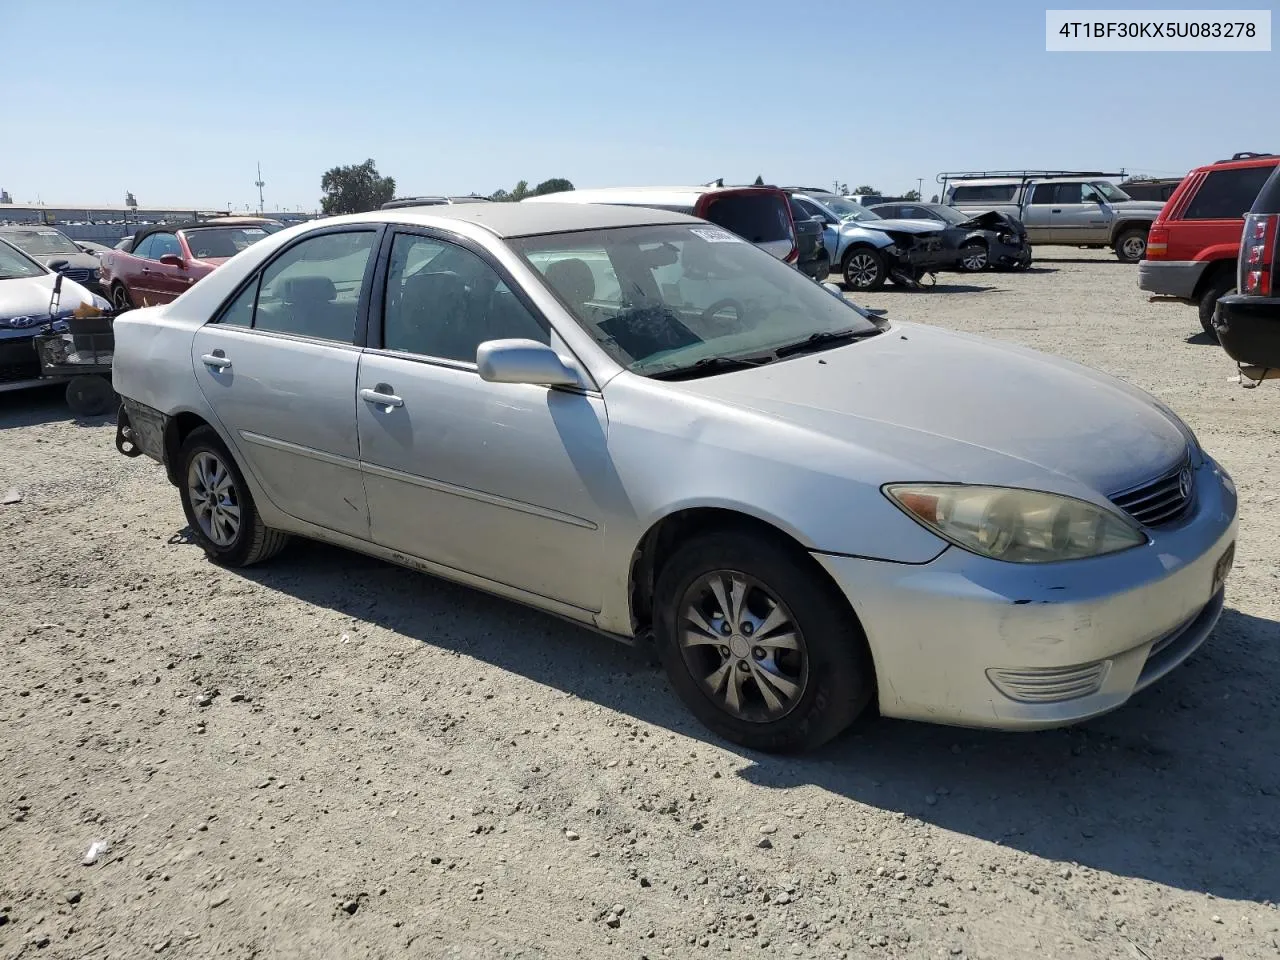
{"x":120,"y":298}
{"x":864,"y":269}
{"x":973,"y":256}
{"x":219,"y":506}
{"x":1131,"y":246}
{"x":758,"y":644}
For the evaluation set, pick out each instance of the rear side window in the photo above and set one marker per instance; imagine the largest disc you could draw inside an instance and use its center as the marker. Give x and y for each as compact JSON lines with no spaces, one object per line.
{"x":313,"y":288}
{"x":758,"y":218}
{"x":984,"y":193}
{"x":1227,"y":194}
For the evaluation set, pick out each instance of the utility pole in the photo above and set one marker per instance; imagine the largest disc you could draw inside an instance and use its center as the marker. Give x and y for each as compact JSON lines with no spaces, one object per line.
{"x":919,"y":188}
{"x":259,"y":184}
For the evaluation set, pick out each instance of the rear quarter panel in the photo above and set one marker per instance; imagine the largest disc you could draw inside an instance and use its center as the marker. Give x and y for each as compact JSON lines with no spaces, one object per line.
{"x":152,"y":362}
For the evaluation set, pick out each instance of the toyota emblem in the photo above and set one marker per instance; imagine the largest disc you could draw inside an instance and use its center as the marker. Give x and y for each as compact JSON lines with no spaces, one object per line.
{"x":1184,"y":482}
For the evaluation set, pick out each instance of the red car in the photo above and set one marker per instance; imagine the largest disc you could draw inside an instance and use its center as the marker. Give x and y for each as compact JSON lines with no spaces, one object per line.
{"x":1194,"y":244}
{"x":164,"y":260}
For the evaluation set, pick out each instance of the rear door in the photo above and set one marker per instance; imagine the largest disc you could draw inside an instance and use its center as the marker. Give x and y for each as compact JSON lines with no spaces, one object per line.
{"x":278,"y":366}
{"x":1039,"y":210}
{"x":762,"y":217}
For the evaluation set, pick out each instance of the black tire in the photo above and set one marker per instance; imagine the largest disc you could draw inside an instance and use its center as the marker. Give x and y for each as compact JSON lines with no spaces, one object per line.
{"x":838,"y":675}
{"x":970,"y":253}
{"x":120,"y":299}
{"x":253,"y":542}
{"x":1220,"y":286}
{"x":864,"y":268}
{"x":1131,"y":245}
{"x":91,"y":396}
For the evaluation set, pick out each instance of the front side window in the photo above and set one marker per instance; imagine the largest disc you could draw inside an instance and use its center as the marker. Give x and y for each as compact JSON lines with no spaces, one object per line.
{"x":683,"y":294}
{"x":163,"y":244}
{"x":143,"y":249}
{"x":313,"y":288}
{"x":443,"y":301}
{"x":1227,"y":194}
{"x":1111,"y":192}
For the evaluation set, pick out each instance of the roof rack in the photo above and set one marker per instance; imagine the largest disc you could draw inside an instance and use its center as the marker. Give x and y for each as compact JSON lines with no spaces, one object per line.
{"x":1022,"y":174}
{"x":1244,"y":155}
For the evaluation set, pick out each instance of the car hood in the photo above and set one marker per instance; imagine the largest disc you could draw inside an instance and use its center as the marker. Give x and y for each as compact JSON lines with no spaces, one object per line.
{"x":955,"y":408}
{"x":900,"y":226}
{"x":29,"y":297}
{"x":86,"y":261}
{"x":1139,"y":206}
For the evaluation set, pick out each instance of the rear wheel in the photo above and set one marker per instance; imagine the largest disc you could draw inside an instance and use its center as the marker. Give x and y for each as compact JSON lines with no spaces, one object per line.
{"x":219,"y":506}
{"x":973,"y":256}
{"x":1221,"y":285}
{"x":91,"y":396}
{"x":1131,"y":245}
{"x":864,"y":268}
{"x":758,"y":644}
{"x":120,"y":298}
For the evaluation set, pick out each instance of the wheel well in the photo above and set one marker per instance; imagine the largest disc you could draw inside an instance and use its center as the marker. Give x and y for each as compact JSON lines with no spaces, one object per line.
{"x":1212,"y":274}
{"x":176,"y":431}
{"x":1126,"y":225}
{"x":666,"y":536}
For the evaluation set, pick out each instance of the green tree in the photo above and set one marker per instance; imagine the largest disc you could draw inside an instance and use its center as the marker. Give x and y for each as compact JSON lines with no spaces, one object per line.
{"x":554,"y":185}
{"x":911,"y":195}
{"x":355,"y":189}
{"x":866,"y":189}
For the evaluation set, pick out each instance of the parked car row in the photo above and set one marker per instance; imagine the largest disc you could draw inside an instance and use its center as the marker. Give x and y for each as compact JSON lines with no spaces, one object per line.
{"x":56,"y":251}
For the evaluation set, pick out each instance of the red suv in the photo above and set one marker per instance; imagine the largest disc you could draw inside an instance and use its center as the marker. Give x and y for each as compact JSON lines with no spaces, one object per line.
{"x":1194,"y":245}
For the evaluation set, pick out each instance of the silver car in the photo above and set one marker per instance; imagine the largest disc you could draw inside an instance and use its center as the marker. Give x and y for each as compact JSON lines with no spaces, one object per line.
{"x":637,"y":420}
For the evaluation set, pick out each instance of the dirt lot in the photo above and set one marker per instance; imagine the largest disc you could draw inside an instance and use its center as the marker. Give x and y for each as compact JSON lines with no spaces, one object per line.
{"x":332,"y":757}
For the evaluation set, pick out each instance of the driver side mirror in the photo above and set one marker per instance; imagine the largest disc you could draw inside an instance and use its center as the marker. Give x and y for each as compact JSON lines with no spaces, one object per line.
{"x":523,"y":361}
{"x":173,"y":260}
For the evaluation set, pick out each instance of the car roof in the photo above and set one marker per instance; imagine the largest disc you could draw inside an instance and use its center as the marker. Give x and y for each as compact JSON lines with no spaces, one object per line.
{"x":202,"y":224}
{"x":524,"y":219}
{"x":658,"y":196}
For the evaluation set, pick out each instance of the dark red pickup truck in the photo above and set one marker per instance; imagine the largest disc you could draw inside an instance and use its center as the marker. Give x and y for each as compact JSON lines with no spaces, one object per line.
{"x":164,"y":260}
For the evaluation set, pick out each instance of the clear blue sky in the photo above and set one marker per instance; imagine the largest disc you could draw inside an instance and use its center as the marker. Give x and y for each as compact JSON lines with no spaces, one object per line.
{"x":177,"y":102}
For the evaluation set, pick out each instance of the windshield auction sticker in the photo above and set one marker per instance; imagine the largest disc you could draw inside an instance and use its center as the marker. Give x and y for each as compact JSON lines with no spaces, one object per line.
{"x":716,"y":236}
{"x":1156,"y":31}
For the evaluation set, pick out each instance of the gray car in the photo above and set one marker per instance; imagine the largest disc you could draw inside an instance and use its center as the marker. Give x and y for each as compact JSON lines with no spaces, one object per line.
{"x":639,"y":421}
{"x":56,"y":251}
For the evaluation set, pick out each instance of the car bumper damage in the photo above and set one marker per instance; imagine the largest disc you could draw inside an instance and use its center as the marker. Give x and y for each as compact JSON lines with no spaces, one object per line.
{"x":975,"y":642}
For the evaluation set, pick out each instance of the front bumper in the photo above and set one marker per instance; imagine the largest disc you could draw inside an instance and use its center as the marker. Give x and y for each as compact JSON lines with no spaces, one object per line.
{"x":1008,"y":255}
{"x":975,"y":642}
{"x":1170,"y":278}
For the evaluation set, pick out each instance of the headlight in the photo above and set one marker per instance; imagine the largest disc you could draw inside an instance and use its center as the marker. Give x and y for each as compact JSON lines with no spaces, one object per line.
{"x":893,"y":250}
{"x":1020,"y":526}
{"x":1008,"y":238}
{"x":101,"y":302}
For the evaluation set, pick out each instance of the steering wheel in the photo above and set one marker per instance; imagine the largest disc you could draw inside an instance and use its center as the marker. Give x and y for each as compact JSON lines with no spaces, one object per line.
{"x":739,"y":311}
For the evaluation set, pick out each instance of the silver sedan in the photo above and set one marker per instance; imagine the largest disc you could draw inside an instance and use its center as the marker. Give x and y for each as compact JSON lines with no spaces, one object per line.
{"x":641,"y":422}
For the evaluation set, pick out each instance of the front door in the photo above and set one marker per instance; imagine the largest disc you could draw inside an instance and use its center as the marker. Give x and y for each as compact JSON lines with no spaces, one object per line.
{"x":1081,"y":215}
{"x":166,"y":282}
{"x":278,"y":366}
{"x":486,"y":478}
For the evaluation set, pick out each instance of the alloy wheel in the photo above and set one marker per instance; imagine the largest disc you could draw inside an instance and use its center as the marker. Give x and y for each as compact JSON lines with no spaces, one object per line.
{"x":974,"y":257}
{"x":214,"y":498}
{"x":1134,"y":247}
{"x":119,"y":299}
{"x":742,"y":645}
{"x":862,"y":271}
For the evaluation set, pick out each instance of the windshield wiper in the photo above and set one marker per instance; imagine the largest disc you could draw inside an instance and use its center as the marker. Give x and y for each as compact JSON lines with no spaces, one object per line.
{"x":709,"y":365}
{"x":824,"y":338}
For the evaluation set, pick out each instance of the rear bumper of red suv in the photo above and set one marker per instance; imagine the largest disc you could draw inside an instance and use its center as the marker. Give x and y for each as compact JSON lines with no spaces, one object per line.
{"x":1171,"y":278}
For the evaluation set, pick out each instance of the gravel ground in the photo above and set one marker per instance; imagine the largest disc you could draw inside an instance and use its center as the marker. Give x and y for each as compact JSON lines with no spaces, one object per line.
{"x":331,"y":757}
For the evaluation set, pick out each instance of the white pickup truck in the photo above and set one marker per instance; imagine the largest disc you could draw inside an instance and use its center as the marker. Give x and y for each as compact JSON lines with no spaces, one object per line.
{"x":1082,"y":210}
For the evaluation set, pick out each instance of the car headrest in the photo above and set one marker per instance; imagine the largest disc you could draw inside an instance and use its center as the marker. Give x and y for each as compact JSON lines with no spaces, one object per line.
{"x":573,"y":280}
{"x":309,"y":290}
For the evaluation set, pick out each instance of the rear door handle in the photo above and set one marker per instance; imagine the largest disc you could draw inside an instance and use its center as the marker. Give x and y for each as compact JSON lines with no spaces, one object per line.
{"x":381,"y":396}
{"x":215,"y":361}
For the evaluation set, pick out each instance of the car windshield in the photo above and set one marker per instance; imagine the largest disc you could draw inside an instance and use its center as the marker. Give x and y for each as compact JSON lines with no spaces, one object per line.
{"x":848,"y":209}
{"x":41,"y":243}
{"x":212,"y":243}
{"x":663,"y":298}
{"x":941,"y":211}
{"x":1110,"y":191}
{"x":15,"y":266}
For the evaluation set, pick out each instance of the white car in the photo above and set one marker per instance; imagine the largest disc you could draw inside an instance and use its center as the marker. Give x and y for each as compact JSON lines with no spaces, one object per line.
{"x":28,"y":303}
{"x":639,"y":421}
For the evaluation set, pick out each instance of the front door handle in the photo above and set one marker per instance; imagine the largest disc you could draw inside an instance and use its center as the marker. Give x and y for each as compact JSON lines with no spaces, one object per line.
{"x":381,"y":396}
{"x":217,"y":360}
{"x":1055,"y":211}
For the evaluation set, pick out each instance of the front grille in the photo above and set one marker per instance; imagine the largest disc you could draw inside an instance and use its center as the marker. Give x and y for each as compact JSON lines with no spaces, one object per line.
{"x":78,"y":274}
{"x":1162,"y":500}
{"x":15,"y":372}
